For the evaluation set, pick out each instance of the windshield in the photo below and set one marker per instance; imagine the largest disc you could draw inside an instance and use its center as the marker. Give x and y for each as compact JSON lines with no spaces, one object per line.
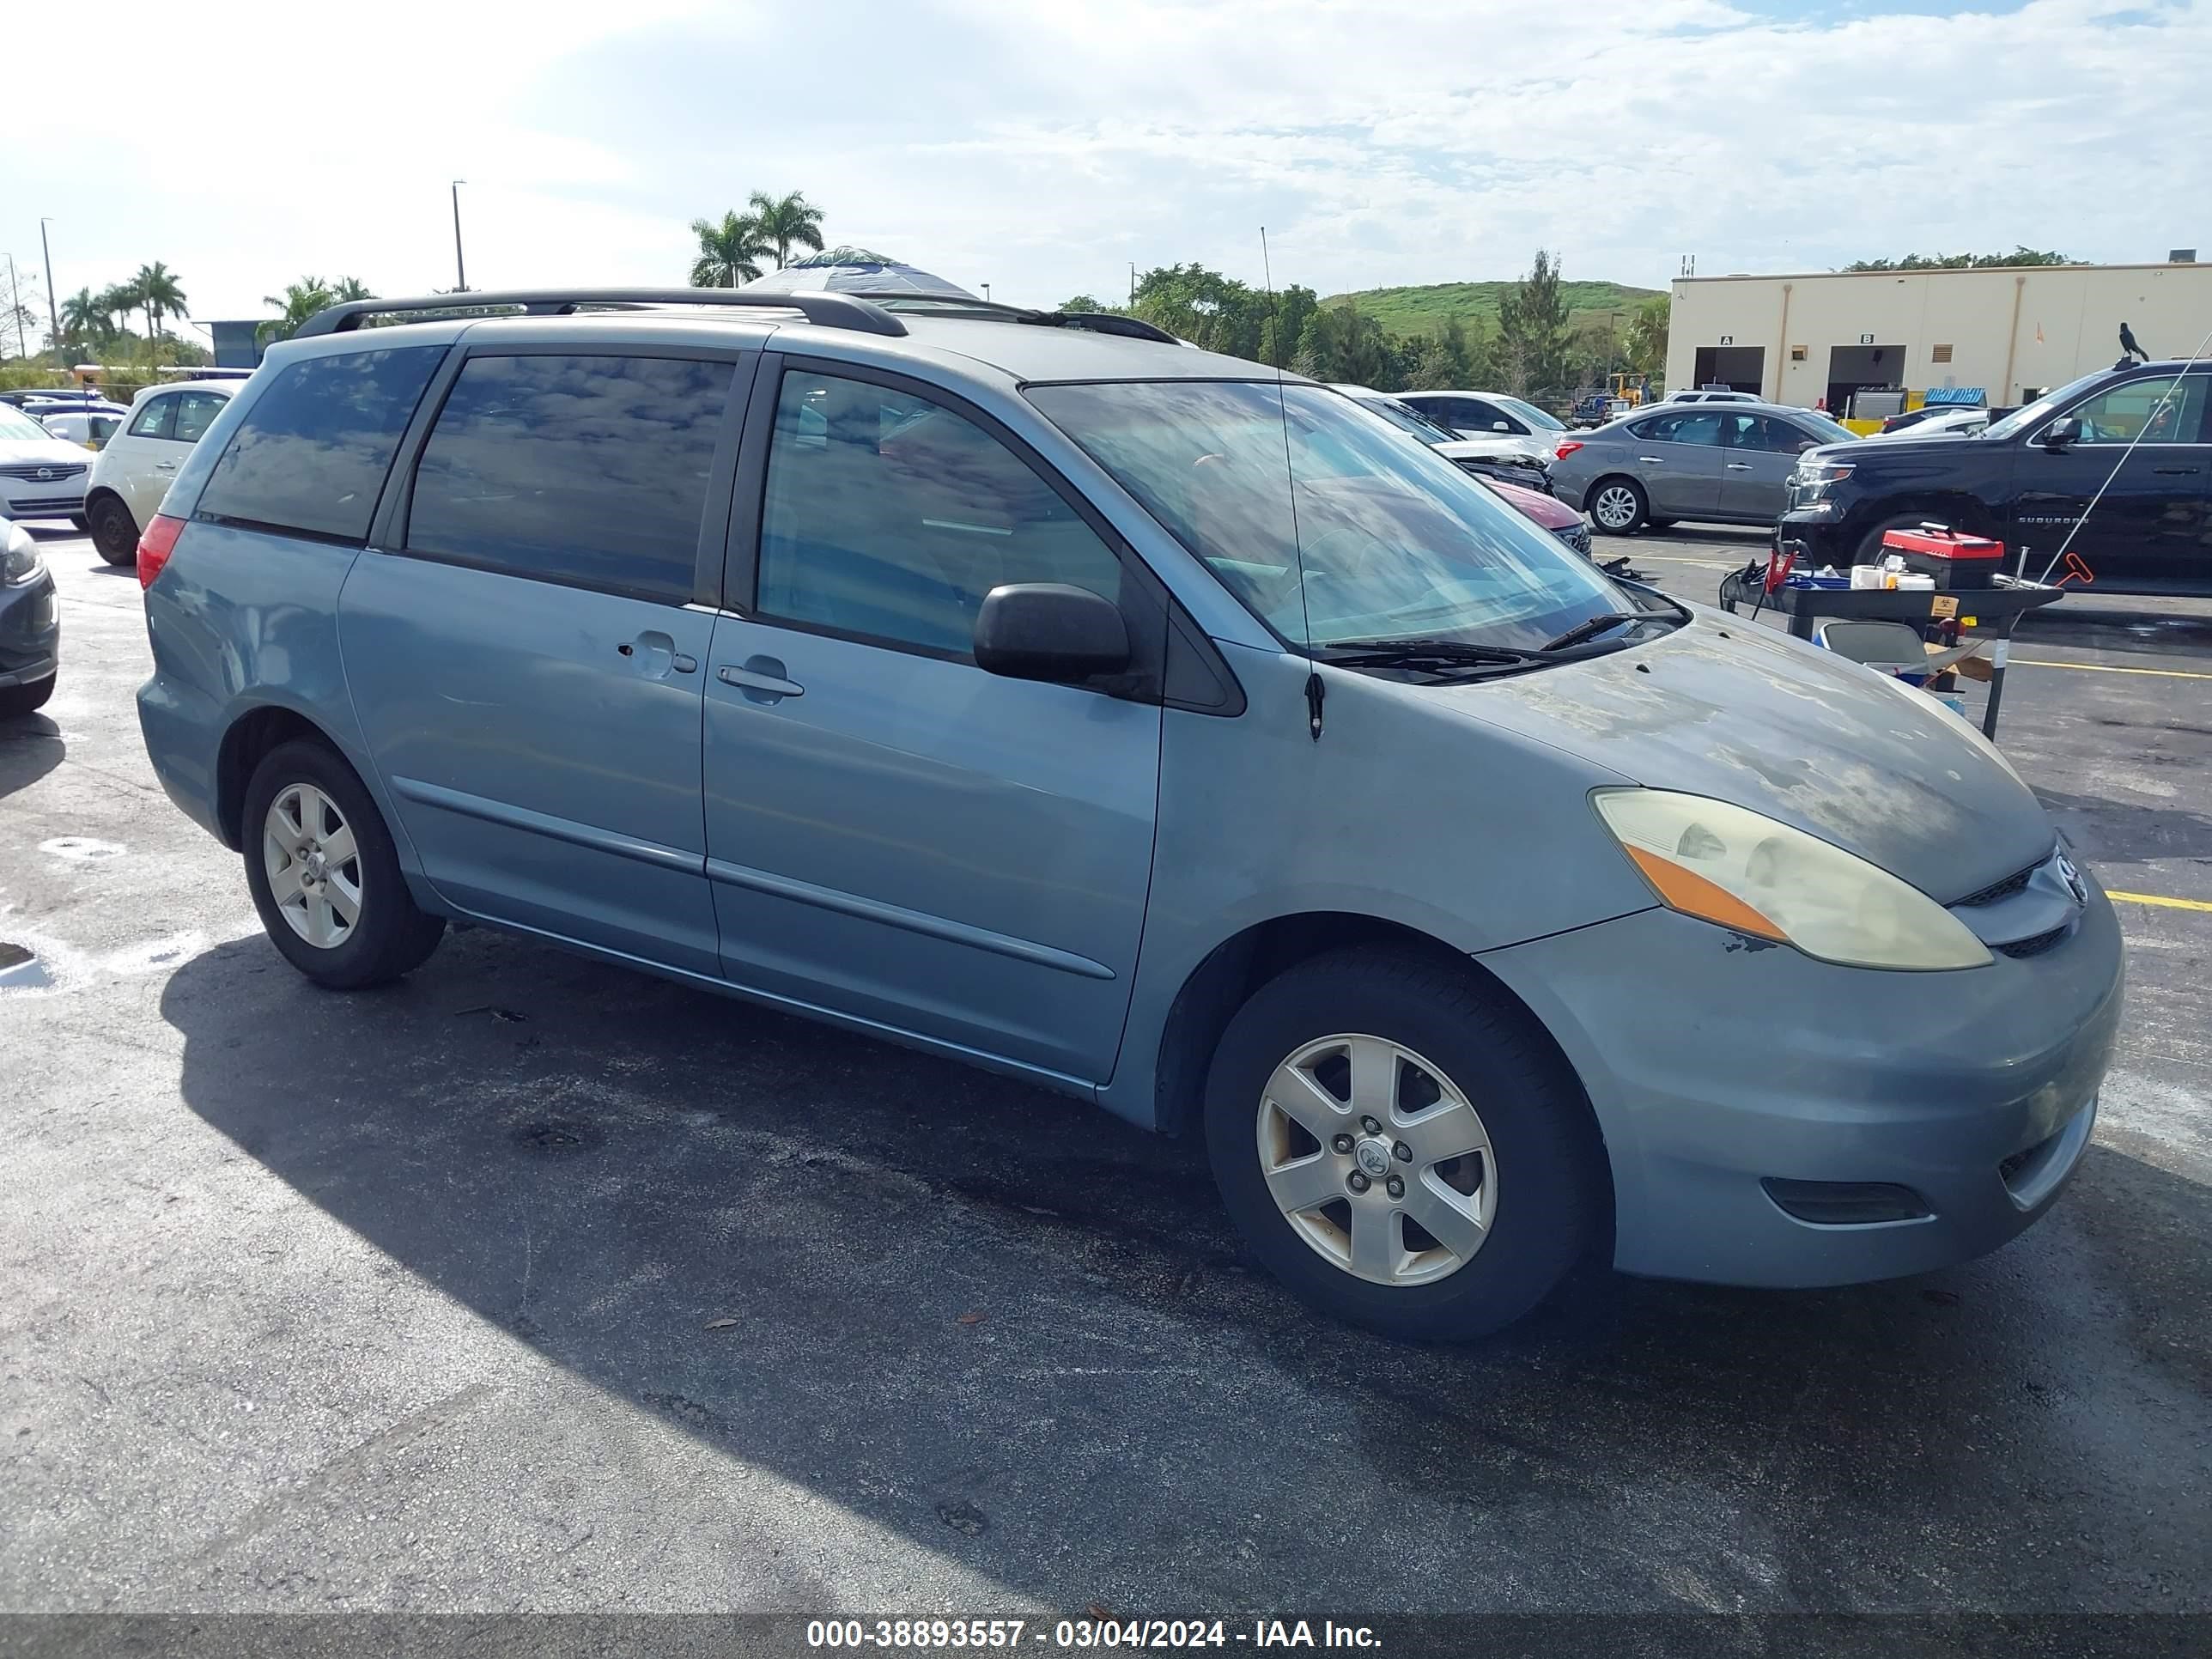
{"x":1394,"y":541}
{"x":2044,"y":407}
{"x":14,"y":425}
{"x":1831,"y":431}
{"x":1530,"y":413}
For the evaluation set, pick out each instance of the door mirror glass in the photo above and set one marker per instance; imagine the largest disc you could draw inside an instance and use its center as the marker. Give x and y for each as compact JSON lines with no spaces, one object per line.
{"x":1049,"y":631}
{"x":2059,"y":434}
{"x":1499,"y":426}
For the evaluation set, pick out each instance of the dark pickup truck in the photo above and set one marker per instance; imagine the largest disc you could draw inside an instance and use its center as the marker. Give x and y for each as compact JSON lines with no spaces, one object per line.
{"x":2030,"y":477}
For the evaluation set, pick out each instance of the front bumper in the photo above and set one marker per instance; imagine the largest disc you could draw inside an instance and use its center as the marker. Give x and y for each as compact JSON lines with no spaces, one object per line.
{"x":30,"y":632}
{"x":1715,"y":1064}
{"x":1822,"y":529}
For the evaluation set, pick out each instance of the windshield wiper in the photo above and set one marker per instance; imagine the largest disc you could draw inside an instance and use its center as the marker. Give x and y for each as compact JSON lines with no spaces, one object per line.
{"x":1594,"y":626}
{"x":1379,"y":653}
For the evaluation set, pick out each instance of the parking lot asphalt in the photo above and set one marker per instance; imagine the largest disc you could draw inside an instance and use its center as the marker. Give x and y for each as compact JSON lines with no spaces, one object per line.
{"x":531,"y":1284}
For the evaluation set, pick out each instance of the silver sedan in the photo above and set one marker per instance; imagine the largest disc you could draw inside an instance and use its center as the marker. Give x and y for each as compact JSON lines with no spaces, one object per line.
{"x":1717,"y":463}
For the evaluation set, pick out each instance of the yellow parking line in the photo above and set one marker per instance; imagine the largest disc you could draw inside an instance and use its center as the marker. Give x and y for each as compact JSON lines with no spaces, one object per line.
{"x":2163,"y":904}
{"x":2108,"y":668}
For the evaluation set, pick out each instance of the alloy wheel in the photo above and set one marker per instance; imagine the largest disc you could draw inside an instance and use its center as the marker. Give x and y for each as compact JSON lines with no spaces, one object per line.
{"x":313,"y":868}
{"x":1378,"y":1159}
{"x":1614,"y":508}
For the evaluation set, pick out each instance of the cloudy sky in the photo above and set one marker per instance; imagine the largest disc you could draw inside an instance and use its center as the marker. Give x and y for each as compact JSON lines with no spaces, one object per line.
{"x":1042,"y":148}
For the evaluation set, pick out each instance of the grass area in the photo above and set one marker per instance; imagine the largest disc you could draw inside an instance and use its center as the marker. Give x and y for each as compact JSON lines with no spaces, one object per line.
{"x":1426,"y":310}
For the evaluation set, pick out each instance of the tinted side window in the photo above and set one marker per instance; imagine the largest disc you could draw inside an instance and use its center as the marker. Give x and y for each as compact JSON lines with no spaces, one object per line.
{"x":1689,"y":426}
{"x":1783,"y":437}
{"x":158,"y":419}
{"x":196,"y":413}
{"x":312,"y":452}
{"x":2149,"y":412}
{"x":585,"y":470}
{"x":891,"y":517}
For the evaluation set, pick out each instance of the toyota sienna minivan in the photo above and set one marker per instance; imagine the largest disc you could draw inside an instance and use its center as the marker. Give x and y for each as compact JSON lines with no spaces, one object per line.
{"x":1037,"y":691}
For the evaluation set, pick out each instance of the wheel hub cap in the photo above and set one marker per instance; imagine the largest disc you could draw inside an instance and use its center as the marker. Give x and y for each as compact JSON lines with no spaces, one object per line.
{"x":1377,"y":1159}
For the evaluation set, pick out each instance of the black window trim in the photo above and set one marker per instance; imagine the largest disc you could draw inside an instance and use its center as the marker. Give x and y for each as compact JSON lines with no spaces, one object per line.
{"x":221,"y":402}
{"x":326,"y":537}
{"x":387,"y":529}
{"x":1146,"y":604}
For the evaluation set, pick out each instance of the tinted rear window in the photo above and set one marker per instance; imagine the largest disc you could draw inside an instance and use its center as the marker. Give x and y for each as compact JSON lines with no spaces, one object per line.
{"x":585,"y":470}
{"x":312,"y":452}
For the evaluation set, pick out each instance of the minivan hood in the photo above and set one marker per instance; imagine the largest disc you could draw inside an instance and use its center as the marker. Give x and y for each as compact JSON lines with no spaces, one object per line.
{"x":1741,"y":713}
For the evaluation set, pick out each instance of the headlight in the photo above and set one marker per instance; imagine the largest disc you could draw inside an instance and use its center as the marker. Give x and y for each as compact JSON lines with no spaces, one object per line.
{"x":21,"y":560}
{"x":1823,"y":472}
{"x":1738,"y":870}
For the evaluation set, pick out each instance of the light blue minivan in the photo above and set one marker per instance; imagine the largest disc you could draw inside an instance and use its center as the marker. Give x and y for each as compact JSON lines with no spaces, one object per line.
{"x":1037,"y":691}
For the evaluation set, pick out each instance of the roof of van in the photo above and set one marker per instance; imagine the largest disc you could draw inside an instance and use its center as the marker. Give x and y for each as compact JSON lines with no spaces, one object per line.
{"x":1026,"y":345}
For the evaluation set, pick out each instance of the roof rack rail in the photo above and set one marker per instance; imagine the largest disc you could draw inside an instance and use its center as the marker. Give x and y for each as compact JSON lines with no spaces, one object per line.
{"x":829,"y":310}
{"x":1095,"y":322}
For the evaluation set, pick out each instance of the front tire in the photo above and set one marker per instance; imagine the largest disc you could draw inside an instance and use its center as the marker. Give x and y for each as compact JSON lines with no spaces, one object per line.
{"x":17,"y":701}
{"x":114,"y":532}
{"x":1619,"y":507}
{"x":1871,"y":549}
{"x":1398,"y":1148}
{"x":323,"y":874}
{"x":80,"y":522}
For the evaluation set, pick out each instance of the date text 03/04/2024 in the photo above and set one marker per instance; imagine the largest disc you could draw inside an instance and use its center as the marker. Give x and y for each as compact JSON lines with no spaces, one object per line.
{"x":1084,"y":1633}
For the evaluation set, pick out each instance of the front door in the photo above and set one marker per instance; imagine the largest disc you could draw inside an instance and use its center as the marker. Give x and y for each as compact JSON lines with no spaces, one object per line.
{"x":2150,"y":523}
{"x":1677,"y":458}
{"x":893,"y":832}
{"x":526,"y":664}
{"x":1762,"y":454}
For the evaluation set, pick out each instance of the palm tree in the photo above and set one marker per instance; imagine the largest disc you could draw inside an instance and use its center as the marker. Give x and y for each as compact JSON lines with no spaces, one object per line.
{"x":785,"y":221}
{"x":85,"y":318}
{"x":728,"y":252}
{"x":120,"y":300}
{"x":350,"y":288}
{"x":302,"y":300}
{"x":159,"y":294}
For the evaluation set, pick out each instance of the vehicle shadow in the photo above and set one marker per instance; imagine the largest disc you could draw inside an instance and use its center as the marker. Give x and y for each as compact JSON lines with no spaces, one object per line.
{"x":2125,"y":832}
{"x":1021,"y":1333}
{"x":30,"y":747}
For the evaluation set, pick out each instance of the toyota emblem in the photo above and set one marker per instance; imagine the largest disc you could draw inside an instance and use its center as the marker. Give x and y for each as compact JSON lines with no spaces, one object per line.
{"x":2073,"y":880}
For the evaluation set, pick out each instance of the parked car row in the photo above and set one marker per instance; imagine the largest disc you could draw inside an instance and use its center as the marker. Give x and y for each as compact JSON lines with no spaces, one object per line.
{"x":2116,"y":467}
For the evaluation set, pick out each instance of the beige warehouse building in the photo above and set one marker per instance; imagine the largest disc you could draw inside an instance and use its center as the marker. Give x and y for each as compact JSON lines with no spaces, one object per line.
{"x":2009,"y":331}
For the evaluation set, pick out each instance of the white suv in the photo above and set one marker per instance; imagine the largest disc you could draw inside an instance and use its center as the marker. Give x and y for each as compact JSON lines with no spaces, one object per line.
{"x":140,"y":462}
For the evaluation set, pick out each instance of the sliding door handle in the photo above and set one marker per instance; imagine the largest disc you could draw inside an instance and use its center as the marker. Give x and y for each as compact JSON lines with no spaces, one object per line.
{"x":762,"y":680}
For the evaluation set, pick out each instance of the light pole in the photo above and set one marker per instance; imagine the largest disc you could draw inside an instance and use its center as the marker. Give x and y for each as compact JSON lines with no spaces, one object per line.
{"x":53,"y":317}
{"x":460,"y":270}
{"x":15,"y":304}
{"x":986,"y":293}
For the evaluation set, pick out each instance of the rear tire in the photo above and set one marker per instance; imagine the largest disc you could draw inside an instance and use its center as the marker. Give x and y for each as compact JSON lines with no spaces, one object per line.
{"x":1618,"y":506}
{"x":1484,"y":1132}
{"x":17,"y":701}
{"x":324,"y":875}
{"x":114,"y":532}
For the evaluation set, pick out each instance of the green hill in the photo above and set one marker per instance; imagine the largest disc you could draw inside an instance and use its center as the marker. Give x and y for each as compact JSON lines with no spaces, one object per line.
{"x":1426,"y":310}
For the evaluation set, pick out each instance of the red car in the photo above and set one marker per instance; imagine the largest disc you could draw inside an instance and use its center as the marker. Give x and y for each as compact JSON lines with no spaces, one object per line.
{"x":1539,"y":508}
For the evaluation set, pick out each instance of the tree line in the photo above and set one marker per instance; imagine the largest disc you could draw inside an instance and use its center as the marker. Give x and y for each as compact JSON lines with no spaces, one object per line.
{"x":1535,"y":350}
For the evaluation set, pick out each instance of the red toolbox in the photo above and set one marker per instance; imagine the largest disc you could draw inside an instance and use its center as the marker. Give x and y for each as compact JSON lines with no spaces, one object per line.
{"x":1956,"y":560}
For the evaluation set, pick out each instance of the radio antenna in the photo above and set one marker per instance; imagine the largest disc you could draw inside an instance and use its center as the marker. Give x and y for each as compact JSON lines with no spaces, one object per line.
{"x":1315,"y":692}
{"x":2180,"y":381}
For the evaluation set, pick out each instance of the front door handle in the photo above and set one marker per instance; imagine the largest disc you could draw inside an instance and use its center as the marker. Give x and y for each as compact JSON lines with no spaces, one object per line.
{"x":1739,"y":466}
{"x":2175,"y":472}
{"x":762,"y":680}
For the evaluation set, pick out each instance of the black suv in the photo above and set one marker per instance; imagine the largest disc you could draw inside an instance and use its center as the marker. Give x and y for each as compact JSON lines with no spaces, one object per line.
{"x":2030,"y":477}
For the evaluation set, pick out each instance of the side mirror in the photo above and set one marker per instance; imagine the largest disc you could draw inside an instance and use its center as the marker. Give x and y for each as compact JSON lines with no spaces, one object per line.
{"x":1499,"y":426}
{"x":2059,"y":434}
{"x":1050,"y":631}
